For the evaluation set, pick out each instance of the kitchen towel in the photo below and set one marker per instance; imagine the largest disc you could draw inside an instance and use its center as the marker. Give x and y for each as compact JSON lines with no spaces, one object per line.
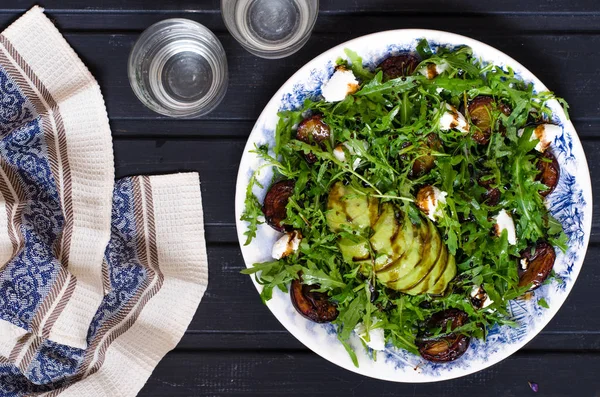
{"x":98,"y":280}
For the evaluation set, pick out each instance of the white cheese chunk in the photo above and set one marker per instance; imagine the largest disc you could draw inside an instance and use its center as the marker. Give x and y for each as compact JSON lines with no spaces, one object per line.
{"x":453,"y":119}
{"x":432,"y":70}
{"x":505,"y":222}
{"x":479,"y":293}
{"x":286,"y":245}
{"x":376,"y":336}
{"x":341,"y":83}
{"x":524,"y":263}
{"x":545,"y":133}
{"x":340,"y":155}
{"x":429,"y":199}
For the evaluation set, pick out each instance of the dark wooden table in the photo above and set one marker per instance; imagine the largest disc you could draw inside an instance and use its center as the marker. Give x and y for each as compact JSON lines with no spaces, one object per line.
{"x":234,"y":345}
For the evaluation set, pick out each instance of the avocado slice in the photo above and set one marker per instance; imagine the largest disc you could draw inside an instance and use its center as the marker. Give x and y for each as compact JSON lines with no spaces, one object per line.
{"x":430,"y":249}
{"x":427,"y":266}
{"x":347,"y":206}
{"x":442,"y":284}
{"x":385,"y":230}
{"x":405,"y":263}
{"x":402,"y":242}
{"x":434,"y":275}
{"x":354,"y":251}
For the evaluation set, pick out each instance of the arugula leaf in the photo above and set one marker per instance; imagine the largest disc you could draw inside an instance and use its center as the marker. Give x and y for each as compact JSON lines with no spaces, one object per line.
{"x":357,"y":65}
{"x":424,"y":50}
{"x":314,"y":276}
{"x":252,"y":210}
{"x":349,"y":318}
{"x":350,"y":351}
{"x":397,"y":85}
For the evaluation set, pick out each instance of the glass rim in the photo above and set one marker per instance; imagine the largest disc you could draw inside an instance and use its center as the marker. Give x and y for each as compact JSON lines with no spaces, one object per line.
{"x":271,"y":54}
{"x":208,"y":102}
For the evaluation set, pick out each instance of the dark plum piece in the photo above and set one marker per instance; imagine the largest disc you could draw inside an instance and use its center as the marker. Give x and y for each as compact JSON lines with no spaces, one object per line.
{"x":315,"y":306}
{"x":446,"y":348}
{"x":480,"y":112}
{"x":535,"y":268}
{"x":492,"y":195}
{"x":399,"y":66}
{"x":549,"y":172}
{"x":275,"y":202}
{"x":425,"y":163}
{"x":312,"y":130}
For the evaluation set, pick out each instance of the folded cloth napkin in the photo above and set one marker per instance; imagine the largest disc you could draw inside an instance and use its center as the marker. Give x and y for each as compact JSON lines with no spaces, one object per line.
{"x":98,"y":280}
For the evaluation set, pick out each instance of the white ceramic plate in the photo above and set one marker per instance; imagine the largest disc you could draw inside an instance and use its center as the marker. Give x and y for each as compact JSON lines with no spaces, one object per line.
{"x":570,"y":203}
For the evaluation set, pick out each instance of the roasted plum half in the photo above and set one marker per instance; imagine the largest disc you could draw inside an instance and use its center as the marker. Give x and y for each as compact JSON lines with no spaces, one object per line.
{"x":274,"y":206}
{"x":425,"y":163}
{"x":536,"y":264}
{"x":492,"y":195}
{"x":313,"y":305}
{"x":445,"y":348}
{"x":312,"y":130}
{"x":480,"y":111}
{"x":549,"y":172}
{"x":399,"y":66}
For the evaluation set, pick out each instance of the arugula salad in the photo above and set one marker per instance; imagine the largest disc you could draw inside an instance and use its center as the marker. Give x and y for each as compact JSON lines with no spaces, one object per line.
{"x":411,"y":201}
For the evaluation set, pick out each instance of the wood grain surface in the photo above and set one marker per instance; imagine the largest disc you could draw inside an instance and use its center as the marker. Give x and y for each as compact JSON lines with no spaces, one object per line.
{"x":234,"y":345}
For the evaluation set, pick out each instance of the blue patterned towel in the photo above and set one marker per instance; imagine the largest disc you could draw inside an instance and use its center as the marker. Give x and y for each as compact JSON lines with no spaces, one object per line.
{"x":98,"y":280}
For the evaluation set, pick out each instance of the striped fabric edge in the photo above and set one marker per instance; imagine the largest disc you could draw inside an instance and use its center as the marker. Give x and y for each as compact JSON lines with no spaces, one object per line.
{"x":121,"y":359}
{"x":76,"y":127}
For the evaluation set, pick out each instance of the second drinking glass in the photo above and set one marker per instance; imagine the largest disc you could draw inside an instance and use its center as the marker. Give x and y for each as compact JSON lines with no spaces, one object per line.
{"x":270,"y":28}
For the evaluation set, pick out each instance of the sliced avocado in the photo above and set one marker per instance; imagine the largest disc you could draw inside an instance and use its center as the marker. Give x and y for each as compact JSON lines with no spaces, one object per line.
{"x":434,"y":275}
{"x":404,"y":237}
{"x":406,"y":257}
{"x":346,"y":206}
{"x":402,"y":242}
{"x":406,"y":263}
{"x":362,"y":211}
{"x":427,"y":266}
{"x":354,"y":251}
{"x":425,"y":262}
{"x":449,"y":273}
{"x":385,"y":230}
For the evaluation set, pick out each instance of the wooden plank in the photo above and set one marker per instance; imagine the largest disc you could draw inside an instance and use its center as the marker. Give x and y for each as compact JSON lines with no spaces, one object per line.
{"x":278,"y":373}
{"x":566,"y":63}
{"x":330,"y":6}
{"x":194,"y":128}
{"x":327,"y":22}
{"x":217,"y":162}
{"x":282,"y":339}
{"x":231,"y":315}
{"x":220,"y":232}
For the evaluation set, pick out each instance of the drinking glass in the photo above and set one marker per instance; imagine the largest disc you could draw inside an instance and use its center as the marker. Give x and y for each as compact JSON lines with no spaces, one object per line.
{"x":178,"y":68}
{"x":270,"y":28}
